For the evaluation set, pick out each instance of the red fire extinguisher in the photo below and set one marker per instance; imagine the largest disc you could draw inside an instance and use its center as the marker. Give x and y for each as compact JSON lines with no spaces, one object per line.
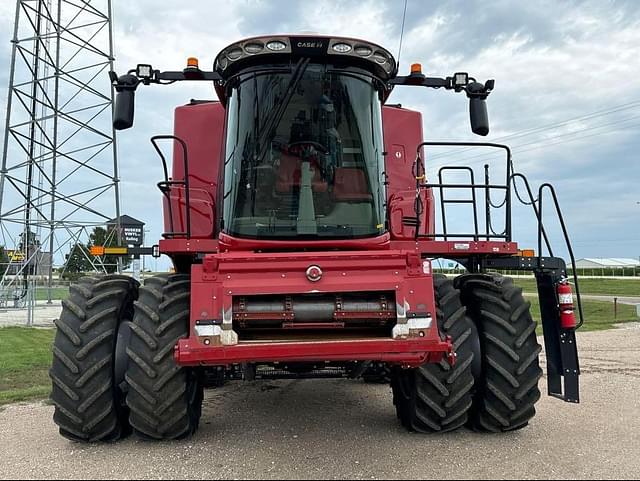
{"x":565,"y":300}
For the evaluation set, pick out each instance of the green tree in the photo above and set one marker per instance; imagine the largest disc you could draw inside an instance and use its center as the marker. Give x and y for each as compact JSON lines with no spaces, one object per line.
{"x":108,"y":238}
{"x":77,"y":262}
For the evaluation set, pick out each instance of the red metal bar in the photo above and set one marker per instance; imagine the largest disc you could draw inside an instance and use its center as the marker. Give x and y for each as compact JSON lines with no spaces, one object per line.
{"x":410,"y":353}
{"x":462,"y":248}
{"x":184,"y":246}
{"x":230,"y":243}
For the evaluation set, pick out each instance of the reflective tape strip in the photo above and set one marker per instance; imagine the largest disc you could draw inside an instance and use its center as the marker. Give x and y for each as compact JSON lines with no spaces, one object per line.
{"x":116,"y":251}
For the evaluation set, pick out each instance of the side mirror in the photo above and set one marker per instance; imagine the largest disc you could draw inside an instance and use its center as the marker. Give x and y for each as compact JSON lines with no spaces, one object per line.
{"x":123,"y":112}
{"x":479,"y":117}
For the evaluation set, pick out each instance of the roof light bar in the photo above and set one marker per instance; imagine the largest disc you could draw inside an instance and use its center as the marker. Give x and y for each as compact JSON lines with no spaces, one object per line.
{"x":238,"y":54}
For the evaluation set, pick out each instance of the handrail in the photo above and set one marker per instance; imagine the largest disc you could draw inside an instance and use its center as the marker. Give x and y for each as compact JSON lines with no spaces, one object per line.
{"x":565,"y":233}
{"x":538,"y":214}
{"x":511,"y":183}
{"x":419,"y":173}
{"x":165,"y":187}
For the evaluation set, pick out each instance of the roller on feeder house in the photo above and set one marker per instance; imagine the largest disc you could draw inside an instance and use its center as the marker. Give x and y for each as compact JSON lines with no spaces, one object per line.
{"x":302,"y":228}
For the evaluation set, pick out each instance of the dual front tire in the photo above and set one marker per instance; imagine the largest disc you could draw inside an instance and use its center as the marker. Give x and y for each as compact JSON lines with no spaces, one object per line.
{"x":493,"y":387}
{"x":113,"y":370}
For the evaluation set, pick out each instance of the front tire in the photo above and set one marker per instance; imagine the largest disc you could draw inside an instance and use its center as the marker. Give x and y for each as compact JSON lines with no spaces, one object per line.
{"x":507,"y":389}
{"x":88,"y":399}
{"x":165,"y":399}
{"x":436,"y":398}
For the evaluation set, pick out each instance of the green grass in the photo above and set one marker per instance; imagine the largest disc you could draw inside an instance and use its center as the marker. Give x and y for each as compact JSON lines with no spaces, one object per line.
{"x":25,"y":358}
{"x":603,"y":287}
{"x":599,"y":315}
{"x":57,"y":293}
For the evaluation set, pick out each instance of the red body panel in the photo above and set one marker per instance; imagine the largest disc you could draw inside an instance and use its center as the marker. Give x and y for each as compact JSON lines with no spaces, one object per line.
{"x":201,"y":126}
{"x":402,"y":135}
{"x":224,"y":276}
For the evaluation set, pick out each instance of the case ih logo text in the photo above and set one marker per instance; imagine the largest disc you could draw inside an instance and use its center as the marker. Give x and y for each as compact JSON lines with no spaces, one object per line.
{"x":309,"y":45}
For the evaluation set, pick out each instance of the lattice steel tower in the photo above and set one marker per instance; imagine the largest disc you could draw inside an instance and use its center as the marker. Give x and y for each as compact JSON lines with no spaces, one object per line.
{"x":59,"y":171}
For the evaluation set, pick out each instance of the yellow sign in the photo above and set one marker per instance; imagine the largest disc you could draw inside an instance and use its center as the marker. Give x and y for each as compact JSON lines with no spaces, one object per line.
{"x":16,"y":256}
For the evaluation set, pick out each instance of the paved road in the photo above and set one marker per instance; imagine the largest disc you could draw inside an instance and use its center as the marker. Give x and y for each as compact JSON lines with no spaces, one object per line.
{"x":621,"y":299}
{"x":338,"y":429}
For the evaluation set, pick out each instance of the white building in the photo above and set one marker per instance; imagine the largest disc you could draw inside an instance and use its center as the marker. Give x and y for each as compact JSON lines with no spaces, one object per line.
{"x":607,"y":263}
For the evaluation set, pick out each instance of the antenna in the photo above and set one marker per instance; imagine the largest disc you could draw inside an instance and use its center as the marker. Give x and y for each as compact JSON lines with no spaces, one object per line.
{"x":404,"y":18}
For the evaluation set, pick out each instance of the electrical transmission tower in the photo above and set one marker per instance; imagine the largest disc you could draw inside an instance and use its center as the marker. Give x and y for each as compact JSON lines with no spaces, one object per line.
{"x":59,"y":171}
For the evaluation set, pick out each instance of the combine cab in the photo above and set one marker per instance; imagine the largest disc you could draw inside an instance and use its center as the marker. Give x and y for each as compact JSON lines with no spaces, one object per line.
{"x":302,"y":227}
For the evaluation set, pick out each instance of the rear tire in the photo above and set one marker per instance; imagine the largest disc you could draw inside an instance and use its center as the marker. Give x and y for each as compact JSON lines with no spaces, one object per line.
{"x":436,"y":398}
{"x":165,"y":399}
{"x":89,"y":402}
{"x":507,"y":389}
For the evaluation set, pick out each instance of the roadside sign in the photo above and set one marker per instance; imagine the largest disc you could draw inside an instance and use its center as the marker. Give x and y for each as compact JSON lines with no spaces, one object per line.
{"x":16,"y":256}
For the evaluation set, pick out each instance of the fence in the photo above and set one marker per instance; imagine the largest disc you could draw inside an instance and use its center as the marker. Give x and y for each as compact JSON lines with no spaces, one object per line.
{"x":630,"y":272}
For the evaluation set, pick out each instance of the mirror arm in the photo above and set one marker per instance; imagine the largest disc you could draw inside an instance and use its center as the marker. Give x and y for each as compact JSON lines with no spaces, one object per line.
{"x":459,"y":82}
{"x":157,"y":77}
{"x":126,"y":86}
{"x":422,"y":81}
{"x":448,"y":83}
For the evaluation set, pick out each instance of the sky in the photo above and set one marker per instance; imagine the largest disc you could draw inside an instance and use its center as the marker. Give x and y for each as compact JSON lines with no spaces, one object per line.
{"x":567,"y":95}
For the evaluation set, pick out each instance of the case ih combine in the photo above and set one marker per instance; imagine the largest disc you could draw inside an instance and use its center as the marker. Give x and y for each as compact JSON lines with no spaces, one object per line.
{"x":302,"y":228}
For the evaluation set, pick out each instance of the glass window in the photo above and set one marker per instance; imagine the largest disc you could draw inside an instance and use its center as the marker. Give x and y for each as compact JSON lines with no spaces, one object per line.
{"x":304,"y":155}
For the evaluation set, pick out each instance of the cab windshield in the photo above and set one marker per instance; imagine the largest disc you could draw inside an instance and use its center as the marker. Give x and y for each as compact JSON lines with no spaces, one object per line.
{"x":304,"y":155}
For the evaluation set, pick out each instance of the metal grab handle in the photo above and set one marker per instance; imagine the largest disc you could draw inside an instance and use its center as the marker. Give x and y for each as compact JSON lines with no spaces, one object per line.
{"x":167,"y":183}
{"x":538,"y":214}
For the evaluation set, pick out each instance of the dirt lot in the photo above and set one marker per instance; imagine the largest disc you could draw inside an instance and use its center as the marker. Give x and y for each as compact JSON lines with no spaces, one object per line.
{"x":341,"y":429}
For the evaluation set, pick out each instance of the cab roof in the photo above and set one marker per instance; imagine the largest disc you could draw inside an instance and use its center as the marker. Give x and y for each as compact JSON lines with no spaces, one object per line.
{"x":287,"y":48}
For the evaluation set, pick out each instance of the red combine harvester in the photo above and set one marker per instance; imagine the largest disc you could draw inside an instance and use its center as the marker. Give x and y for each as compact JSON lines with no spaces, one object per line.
{"x":302,"y":228}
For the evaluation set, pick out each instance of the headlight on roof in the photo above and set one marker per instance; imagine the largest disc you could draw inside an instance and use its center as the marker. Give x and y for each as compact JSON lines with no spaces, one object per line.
{"x":234,"y":54}
{"x":277,"y":46}
{"x":254,"y":47}
{"x":342,"y":47}
{"x":380,"y":57}
{"x":363,"y":50}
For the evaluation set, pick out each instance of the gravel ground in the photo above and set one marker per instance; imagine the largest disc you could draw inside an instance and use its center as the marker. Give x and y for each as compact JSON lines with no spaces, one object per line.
{"x":343,"y":429}
{"x":43,"y":314}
